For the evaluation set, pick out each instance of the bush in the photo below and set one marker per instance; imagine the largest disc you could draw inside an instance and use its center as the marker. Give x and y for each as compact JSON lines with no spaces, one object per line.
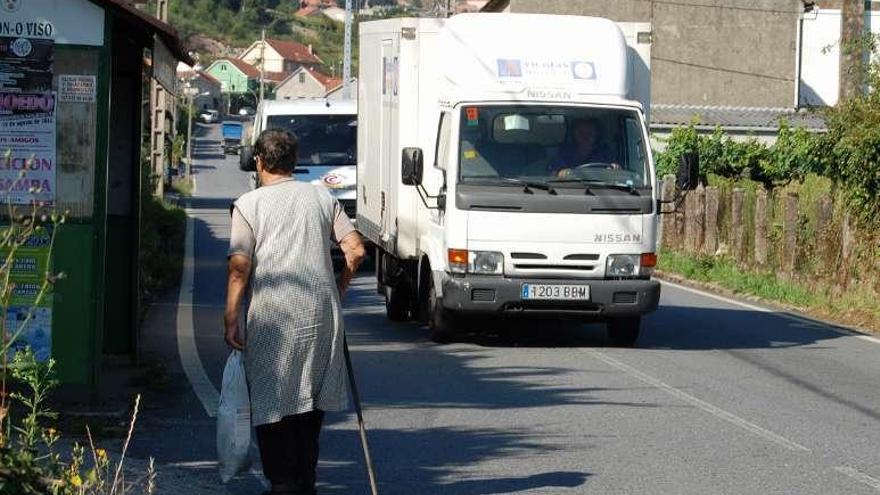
{"x":854,"y":152}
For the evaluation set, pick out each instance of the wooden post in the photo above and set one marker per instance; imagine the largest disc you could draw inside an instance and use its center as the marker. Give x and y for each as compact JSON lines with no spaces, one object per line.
{"x":846,"y":244}
{"x":736,"y":225}
{"x":694,"y":221}
{"x":761,"y":227}
{"x":667,"y":227}
{"x":789,"y":233}
{"x":710,"y":238}
{"x":824,"y":209}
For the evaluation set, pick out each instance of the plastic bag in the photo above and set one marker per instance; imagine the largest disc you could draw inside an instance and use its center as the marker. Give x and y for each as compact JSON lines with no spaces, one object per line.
{"x":234,"y":420}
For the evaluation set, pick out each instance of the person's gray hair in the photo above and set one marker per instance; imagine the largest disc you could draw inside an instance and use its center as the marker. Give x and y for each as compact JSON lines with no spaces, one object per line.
{"x":278,"y":150}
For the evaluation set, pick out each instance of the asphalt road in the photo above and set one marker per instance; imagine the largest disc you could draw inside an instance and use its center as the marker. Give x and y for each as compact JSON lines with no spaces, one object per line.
{"x":718,"y":398}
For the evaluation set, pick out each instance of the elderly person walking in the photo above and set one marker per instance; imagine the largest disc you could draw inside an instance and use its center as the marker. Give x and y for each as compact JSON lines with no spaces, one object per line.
{"x":279,"y":256}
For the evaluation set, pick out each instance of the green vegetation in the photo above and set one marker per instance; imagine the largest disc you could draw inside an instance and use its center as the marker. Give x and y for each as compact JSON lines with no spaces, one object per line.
{"x":727,"y":274}
{"x":182,"y":186}
{"x":30,"y":461}
{"x":817,"y":298}
{"x":848,"y":155}
{"x":796,"y":153}
{"x":238,"y":23}
{"x":163,"y":228}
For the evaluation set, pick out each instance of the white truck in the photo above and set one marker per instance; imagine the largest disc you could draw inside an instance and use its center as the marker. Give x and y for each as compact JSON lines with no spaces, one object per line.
{"x":504,"y":169}
{"x":327,"y":134}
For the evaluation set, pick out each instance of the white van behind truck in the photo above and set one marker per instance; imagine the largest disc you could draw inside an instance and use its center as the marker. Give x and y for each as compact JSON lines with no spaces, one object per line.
{"x":327,"y":134}
{"x":504,"y":169}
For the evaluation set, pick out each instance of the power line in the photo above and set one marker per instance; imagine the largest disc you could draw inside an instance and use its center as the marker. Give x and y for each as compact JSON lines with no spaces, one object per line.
{"x":722,"y":69}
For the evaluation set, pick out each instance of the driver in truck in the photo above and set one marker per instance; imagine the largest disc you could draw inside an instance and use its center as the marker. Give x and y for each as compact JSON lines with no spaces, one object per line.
{"x":586,"y":148}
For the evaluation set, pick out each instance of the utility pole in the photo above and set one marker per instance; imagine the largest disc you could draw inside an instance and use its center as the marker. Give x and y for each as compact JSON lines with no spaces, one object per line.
{"x":189,"y":129}
{"x":262,"y":63}
{"x":346,"y":53}
{"x":852,"y":48}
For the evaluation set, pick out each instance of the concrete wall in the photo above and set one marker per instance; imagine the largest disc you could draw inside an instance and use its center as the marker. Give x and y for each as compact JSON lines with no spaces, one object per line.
{"x":292,"y":88}
{"x":731,"y":53}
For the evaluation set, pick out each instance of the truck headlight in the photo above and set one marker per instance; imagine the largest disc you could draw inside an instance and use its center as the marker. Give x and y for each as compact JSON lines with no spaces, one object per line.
{"x":480,"y":262}
{"x":622,"y":265}
{"x":486,"y":262}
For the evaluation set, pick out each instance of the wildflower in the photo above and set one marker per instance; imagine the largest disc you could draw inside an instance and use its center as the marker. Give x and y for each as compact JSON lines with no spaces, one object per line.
{"x":51,"y":432}
{"x":102,"y":454}
{"x":76,"y":481}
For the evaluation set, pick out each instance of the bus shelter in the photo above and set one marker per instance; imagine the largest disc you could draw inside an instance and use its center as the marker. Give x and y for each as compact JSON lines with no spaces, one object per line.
{"x":74,"y":76}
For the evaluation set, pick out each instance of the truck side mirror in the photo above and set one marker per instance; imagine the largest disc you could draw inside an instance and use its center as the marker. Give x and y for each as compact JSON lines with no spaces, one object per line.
{"x":688,"y":175}
{"x":412,"y":166}
{"x":246,"y":161}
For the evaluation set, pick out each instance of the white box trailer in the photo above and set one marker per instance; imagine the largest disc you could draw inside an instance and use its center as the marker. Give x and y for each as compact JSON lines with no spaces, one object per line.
{"x":504,"y":168}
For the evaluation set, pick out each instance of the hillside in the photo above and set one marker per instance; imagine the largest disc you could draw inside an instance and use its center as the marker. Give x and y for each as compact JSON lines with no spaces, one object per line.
{"x":216,"y":28}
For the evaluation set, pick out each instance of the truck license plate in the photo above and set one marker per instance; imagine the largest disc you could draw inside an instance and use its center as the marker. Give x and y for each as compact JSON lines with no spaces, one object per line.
{"x":534,"y":292}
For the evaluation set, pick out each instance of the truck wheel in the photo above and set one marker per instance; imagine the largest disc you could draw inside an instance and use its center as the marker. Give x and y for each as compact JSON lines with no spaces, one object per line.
{"x":441,"y":322}
{"x":623,"y":332}
{"x":397,"y":304}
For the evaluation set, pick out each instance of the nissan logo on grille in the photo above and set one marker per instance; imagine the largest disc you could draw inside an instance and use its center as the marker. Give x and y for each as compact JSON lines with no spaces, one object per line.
{"x":617,"y":238}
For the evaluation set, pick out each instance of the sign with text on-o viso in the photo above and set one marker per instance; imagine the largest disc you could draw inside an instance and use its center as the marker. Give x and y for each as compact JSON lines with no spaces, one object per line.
{"x":67,"y":22}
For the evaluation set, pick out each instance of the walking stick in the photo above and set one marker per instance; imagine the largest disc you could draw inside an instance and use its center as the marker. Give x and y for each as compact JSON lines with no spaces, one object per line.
{"x":360,"y":417}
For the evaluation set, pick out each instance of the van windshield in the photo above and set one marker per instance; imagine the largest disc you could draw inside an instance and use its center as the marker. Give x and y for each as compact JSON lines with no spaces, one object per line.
{"x":323,"y":139}
{"x":554,"y":145}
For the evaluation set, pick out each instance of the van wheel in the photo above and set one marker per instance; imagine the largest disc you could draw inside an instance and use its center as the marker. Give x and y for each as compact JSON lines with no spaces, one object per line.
{"x":624,"y":332}
{"x":397,"y":304}
{"x":441,"y":322}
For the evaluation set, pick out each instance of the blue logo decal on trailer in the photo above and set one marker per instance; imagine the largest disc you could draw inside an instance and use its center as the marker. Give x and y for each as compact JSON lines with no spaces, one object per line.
{"x":508,"y":67}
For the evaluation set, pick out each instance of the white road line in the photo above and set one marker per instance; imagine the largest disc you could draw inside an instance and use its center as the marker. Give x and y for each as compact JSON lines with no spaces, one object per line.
{"x":186,"y":339}
{"x":699,"y":403}
{"x":781,"y":314}
{"x":859,"y":476}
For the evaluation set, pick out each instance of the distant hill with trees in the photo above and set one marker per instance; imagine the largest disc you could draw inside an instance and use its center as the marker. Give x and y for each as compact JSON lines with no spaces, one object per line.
{"x":216,"y":28}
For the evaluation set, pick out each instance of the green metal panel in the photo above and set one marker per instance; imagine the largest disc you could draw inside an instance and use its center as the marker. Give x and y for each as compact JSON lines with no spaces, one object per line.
{"x":100,"y":230}
{"x":73,"y":326}
{"x":119,"y":286}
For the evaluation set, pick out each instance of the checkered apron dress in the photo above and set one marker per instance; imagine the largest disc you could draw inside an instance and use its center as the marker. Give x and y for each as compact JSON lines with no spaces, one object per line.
{"x":294,"y":354}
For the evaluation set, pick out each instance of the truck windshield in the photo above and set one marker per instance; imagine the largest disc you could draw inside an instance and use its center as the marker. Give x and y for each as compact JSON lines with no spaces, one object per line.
{"x":323,"y":139}
{"x":562,"y":146}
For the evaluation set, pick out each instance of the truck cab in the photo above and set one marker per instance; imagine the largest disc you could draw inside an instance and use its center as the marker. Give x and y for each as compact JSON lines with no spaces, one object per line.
{"x":506,"y":169}
{"x":327,"y":134}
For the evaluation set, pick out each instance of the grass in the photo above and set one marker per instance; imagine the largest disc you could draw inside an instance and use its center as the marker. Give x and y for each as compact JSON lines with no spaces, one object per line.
{"x":163,"y":230}
{"x":183,"y":186}
{"x":854,"y":307}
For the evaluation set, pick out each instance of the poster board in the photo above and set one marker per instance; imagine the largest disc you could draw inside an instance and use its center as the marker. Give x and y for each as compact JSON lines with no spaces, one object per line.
{"x":30,"y":264}
{"x":27,"y":121}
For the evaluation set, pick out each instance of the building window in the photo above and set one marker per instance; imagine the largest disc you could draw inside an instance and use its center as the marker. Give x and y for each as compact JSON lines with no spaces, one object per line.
{"x":223,"y":68}
{"x":302,"y":77}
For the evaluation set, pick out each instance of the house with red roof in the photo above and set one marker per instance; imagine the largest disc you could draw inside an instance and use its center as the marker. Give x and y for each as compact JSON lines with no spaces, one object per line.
{"x":306,"y":83}
{"x":235,"y":75}
{"x":281,"y":56}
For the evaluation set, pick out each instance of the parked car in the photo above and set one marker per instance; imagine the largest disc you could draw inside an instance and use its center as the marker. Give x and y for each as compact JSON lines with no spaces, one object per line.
{"x":209,"y":116}
{"x":246,"y":111}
